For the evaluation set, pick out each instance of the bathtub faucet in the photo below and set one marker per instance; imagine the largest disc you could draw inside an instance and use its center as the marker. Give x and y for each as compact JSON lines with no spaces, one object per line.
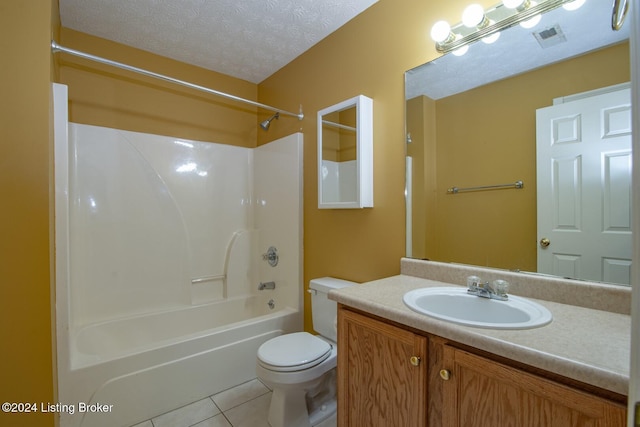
{"x":266,"y":285}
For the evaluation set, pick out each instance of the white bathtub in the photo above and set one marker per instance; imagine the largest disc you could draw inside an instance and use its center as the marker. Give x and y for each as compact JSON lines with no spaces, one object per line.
{"x":147,"y":365}
{"x":158,"y":265}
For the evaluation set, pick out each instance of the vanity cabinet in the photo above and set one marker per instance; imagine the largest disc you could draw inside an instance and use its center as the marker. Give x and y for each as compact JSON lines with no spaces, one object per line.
{"x":390,"y":375}
{"x":382,"y":375}
{"x":480,"y":392}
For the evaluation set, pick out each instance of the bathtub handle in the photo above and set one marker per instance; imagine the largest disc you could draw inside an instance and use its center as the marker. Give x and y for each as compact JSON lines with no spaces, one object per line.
{"x":271,"y":256}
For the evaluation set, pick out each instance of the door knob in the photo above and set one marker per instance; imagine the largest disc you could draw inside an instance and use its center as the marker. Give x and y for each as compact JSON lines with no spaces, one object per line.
{"x":544,"y":242}
{"x":415,"y":360}
{"x":445,"y":374}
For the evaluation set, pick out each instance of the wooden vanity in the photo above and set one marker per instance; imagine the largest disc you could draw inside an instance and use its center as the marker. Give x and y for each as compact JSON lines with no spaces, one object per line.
{"x":401,"y":368}
{"x":391,"y":375}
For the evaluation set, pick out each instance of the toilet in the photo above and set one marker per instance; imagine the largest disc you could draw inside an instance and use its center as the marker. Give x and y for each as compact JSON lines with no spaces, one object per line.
{"x":300,"y":367}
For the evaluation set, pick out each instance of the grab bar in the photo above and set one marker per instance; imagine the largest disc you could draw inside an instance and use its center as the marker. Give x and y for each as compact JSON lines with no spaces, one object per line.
{"x":221,"y":277}
{"x":208,"y":279}
{"x":455,"y":190}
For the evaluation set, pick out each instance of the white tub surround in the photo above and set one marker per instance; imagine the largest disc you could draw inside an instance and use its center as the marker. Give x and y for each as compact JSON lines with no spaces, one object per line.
{"x":159,"y":245}
{"x":586,"y":344}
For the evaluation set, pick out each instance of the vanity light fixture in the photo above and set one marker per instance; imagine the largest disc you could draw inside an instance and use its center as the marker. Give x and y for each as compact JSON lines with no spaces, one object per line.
{"x":474,"y":17}
{"x":478,"y":24}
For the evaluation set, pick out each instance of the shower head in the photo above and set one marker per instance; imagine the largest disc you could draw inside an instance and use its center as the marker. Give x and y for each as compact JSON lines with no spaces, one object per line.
{"x":265,"y":125}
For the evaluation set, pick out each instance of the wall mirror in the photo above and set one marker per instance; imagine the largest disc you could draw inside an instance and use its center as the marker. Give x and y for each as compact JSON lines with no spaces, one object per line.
{"x":471,"y":122}
{"x":345,"y":154}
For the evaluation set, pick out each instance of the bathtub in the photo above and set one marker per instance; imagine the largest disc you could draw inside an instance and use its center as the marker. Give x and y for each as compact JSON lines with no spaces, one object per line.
{"x":139,"y":367}
{"x":158,"y":265}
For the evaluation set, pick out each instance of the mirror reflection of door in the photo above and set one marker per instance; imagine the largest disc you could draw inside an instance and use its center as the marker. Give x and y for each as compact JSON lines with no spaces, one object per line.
{"x":339,"y":155}
{"x":584,"y":187}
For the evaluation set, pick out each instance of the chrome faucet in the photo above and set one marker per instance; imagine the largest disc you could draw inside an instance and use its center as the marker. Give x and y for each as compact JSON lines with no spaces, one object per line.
{"x":266,"y":285}
{"x":271,"y":256}
{"x":475,"y":286}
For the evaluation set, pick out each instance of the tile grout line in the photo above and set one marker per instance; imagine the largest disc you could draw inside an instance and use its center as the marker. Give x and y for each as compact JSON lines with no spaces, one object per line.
{"x":210,"y":397}
{"x":246,"y":401}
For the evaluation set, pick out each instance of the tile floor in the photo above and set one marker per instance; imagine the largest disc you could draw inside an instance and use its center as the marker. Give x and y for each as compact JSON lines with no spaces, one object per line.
{"x":245,"y":405}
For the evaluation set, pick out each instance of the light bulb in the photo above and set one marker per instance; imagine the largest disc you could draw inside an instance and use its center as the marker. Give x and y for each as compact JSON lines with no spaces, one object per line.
{"x":492,"y":38}
{"x":533,"y":21}
{"x":473,"y":15}
{"x":530,"y":23}
{"x":576,"y":4}
{"x":513,"y":4}
{"x":440,"y":31}
{"x":461,"y":50}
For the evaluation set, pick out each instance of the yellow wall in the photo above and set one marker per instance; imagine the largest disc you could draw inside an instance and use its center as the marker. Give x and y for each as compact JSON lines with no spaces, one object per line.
{"x":484,"y":138}
{"x":26,"y":357}
{"x":367,"y":56}
{"x":107,"y":96}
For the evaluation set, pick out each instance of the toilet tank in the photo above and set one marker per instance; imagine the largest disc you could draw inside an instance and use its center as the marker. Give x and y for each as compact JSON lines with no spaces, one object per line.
{"x":324,"y":311}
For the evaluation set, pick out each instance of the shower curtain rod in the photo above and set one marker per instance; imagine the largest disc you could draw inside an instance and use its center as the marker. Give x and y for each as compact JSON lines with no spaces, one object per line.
{"x":55,"y":47}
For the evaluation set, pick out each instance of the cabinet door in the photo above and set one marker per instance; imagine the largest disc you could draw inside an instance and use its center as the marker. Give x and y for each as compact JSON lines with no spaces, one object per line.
{"x":483,"y":393}
{"x":379,"y":384}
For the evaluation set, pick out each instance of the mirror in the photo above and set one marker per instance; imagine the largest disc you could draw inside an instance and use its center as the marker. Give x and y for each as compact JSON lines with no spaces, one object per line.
{"x":345,"y":154}
{"x":471,"y":121}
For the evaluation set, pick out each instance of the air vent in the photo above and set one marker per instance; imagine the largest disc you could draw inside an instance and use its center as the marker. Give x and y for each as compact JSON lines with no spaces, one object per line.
{"x":550,"y":36}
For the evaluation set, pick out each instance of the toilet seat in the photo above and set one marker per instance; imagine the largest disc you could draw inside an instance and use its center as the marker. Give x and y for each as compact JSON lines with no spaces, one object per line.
{"x":293,"y":352}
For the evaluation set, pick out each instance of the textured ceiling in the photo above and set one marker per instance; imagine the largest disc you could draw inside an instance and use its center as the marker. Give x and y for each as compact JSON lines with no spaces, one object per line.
{"x":516,"y":52}
{"x":247,"y":39}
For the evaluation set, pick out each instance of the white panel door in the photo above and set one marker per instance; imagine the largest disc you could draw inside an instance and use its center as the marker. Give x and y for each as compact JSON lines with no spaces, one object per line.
{"x":584,"y":188}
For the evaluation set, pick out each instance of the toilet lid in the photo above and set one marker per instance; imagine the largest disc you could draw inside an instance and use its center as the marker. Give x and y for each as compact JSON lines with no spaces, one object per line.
{"x":296,"y":351}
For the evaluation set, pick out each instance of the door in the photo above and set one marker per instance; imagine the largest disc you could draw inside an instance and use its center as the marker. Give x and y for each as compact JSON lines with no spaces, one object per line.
{"x":584,"y":188}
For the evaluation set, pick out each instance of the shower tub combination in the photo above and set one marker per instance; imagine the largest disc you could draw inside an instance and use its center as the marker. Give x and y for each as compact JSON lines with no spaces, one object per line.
{"x":159,"y":257}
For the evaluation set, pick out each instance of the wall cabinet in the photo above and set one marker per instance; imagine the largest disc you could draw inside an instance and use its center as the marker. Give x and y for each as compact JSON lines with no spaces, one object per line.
{"x":381,"y":383}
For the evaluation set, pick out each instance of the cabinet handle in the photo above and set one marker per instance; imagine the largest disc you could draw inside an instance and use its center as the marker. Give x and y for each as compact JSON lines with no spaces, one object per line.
{"x":445,"y":374}
{"x":415,"y":360}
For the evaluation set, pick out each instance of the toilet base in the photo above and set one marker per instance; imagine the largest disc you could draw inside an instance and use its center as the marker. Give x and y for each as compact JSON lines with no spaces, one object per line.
{"x":281,"y":415}
{"x":309,"y":406}
{"x":321,"y":417}
{"x":288,"y":409}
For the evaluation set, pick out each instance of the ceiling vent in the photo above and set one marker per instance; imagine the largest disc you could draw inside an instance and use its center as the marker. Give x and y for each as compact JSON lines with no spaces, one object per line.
{"x":550,"y":36}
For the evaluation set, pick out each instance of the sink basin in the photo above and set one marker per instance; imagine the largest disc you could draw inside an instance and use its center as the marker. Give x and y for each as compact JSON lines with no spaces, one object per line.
{"x":455,"y":305}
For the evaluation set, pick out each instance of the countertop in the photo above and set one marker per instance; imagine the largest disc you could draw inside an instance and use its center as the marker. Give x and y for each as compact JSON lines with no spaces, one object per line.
{"x":588,"y":345}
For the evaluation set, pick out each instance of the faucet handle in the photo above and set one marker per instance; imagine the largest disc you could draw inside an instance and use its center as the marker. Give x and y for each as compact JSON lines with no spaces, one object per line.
{"x":473,"y":282}
{"x":271,"y":256}
{"x":500,"y":287}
